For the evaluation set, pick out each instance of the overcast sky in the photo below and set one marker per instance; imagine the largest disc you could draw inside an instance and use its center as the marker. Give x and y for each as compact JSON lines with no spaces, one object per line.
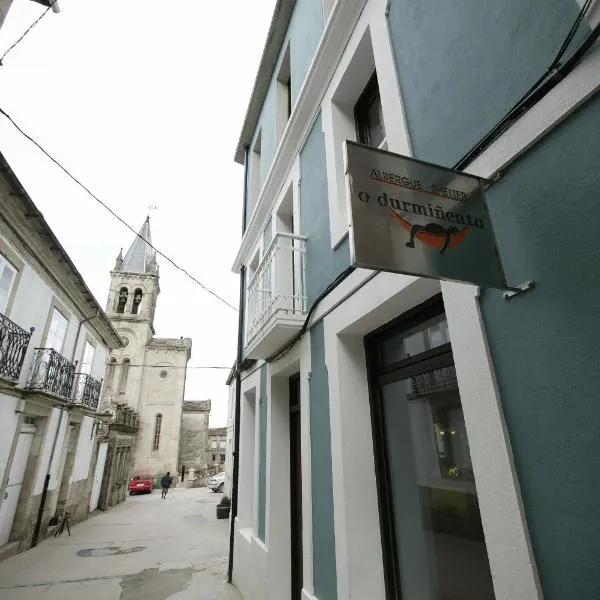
{"x":143,"y":101}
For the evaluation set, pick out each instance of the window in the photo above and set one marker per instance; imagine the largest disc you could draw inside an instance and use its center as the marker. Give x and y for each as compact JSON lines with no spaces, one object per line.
{"x":156,"y":437}
{"x":368,"y":117}
{"x":255,"y":172}
{"x":110,"y":372}
{"x":7,"y":278}
{"x":137,"y":300}
{"x":284,"y":94}
{"x":56,"y":332}
{"x":124,"y":375}
{"x":222,"y":458}
{"x":213,"y":444}
{"x":122,"y":300}
{"x":214,"y":457}
{"x":223,"y":444}
{"x":87,"y":359}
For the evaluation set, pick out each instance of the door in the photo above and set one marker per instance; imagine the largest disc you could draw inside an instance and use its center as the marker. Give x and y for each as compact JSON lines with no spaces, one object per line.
{"x":433,"y":541}
{"x":15,"y":481}
{"x":98,"y":474}
{"x":296,"y":489}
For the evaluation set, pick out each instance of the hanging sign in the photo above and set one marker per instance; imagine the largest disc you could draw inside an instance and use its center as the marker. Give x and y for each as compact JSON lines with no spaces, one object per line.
{"x":411,"y":217}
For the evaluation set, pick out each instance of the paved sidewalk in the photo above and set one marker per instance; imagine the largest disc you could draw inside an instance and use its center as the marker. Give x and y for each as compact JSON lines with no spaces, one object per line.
{"x":144,"y":549}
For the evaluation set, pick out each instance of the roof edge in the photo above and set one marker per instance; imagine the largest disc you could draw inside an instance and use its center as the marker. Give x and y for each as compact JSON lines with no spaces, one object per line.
{"x":106,"y":325}
{"x":275,"y":37}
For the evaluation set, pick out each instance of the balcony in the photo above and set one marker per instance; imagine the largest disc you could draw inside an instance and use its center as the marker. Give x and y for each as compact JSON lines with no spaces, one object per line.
{"x":13,"y":346}
{"x":51,"y":373}
{"x":276,"y":296}
{"x":86,"y":391}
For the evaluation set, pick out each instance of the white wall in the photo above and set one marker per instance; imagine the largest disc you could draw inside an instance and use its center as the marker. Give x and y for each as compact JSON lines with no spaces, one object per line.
{"x":31,"y":307}
{"x":84,"y":450}
{"x":44,"y":455}
{"x":8,"y":424}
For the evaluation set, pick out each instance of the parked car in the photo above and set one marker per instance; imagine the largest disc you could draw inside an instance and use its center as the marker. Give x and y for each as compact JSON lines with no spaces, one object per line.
{"x":217,"y":482}
{"x":141,"y":484}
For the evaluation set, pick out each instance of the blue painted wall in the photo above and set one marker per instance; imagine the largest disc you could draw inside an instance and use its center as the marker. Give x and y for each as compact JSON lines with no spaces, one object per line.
{"x":547,"y":218}
{"x":322,"y":263}
{"x":262,"y":453}
{"x":462,"y":64}
{"x":324,"y":568}
{"x":303,"y":35}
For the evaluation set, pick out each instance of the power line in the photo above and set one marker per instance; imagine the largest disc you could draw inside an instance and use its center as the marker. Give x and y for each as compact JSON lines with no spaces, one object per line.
{"x":113,"y":213}
{"x":27,"y":31}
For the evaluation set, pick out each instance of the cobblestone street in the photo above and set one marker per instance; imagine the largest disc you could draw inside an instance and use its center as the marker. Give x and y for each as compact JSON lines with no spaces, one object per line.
{"x":145,"y":548}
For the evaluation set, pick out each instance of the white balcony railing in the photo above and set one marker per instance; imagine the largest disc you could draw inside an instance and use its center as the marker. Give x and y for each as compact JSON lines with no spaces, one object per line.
{"x":277,"y":288}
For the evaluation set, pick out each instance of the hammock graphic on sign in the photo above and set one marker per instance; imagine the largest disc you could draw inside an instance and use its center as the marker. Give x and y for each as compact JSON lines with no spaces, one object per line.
{"x":432,"y":234}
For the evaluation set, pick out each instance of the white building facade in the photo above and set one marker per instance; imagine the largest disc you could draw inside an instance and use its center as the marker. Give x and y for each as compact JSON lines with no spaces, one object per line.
{"x":54,"y":344}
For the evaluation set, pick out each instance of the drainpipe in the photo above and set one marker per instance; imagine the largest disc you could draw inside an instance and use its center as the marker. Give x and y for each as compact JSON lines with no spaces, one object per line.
{"x":238,"y":391}
{"x":38,"y":523}
{"x":79,"y":331}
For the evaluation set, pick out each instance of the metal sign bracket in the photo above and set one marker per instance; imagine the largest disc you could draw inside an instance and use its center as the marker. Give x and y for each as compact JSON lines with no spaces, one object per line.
{"x":524,"y":287}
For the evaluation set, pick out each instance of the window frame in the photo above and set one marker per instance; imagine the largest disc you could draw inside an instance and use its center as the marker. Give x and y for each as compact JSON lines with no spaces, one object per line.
{"x":15,"y":261}
{"x":5,"y":263}
{"x":379,"y":374}
{"x":55,"y":305}
{"x":123,"y":376}
{"x":156,"y":432}
{"x":369,"y":96}
{"x":284,"y":93}
{"x":369,"y":50}
{"x":87,"y":342}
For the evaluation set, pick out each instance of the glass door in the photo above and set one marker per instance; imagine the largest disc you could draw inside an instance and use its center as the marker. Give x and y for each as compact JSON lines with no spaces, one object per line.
{"x":434,"y":546}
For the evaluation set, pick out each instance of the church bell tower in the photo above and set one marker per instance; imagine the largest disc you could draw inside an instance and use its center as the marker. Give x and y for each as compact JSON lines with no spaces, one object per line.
{"x":134,"y":285}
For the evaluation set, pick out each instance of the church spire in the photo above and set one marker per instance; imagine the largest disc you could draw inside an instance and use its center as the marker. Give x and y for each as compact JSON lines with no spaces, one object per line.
{"x":141,"y":258}
{"x":119,"y":261}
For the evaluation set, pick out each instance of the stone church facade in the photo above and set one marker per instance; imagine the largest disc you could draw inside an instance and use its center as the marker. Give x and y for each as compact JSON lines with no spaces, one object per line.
{"x":148,"y":374}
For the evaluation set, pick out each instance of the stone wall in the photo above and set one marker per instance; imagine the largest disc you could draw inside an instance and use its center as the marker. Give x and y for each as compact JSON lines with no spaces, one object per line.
{"x":193,"y":448}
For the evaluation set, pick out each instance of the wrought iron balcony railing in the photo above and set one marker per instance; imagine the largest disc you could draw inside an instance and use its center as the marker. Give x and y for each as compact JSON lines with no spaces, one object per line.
{"x":51,"y":372}
{"x":86,"y":390}
{"x":277,"y":286}
{"x":13,"y":346}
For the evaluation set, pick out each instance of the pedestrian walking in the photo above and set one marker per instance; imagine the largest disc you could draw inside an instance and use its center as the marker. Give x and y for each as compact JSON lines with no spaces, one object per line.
{"x":165,"y":483}
{"x":182,"y":472}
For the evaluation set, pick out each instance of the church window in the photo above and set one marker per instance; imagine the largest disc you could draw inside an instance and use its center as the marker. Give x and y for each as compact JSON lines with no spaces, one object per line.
{"x":124,"y":375}
{"x":137,"y":300}
{"x":110,"y":372}
{"x":156,"y":438}
{"x":122,"y":300}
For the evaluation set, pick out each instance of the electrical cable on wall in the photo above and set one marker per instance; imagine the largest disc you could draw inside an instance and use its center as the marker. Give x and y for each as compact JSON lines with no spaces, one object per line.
{"x":113,"y":213}
{"x":551,"y":77}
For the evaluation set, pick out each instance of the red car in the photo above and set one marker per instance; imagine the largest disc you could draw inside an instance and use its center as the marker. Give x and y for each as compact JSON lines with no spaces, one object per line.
{"x":141,"y":484}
